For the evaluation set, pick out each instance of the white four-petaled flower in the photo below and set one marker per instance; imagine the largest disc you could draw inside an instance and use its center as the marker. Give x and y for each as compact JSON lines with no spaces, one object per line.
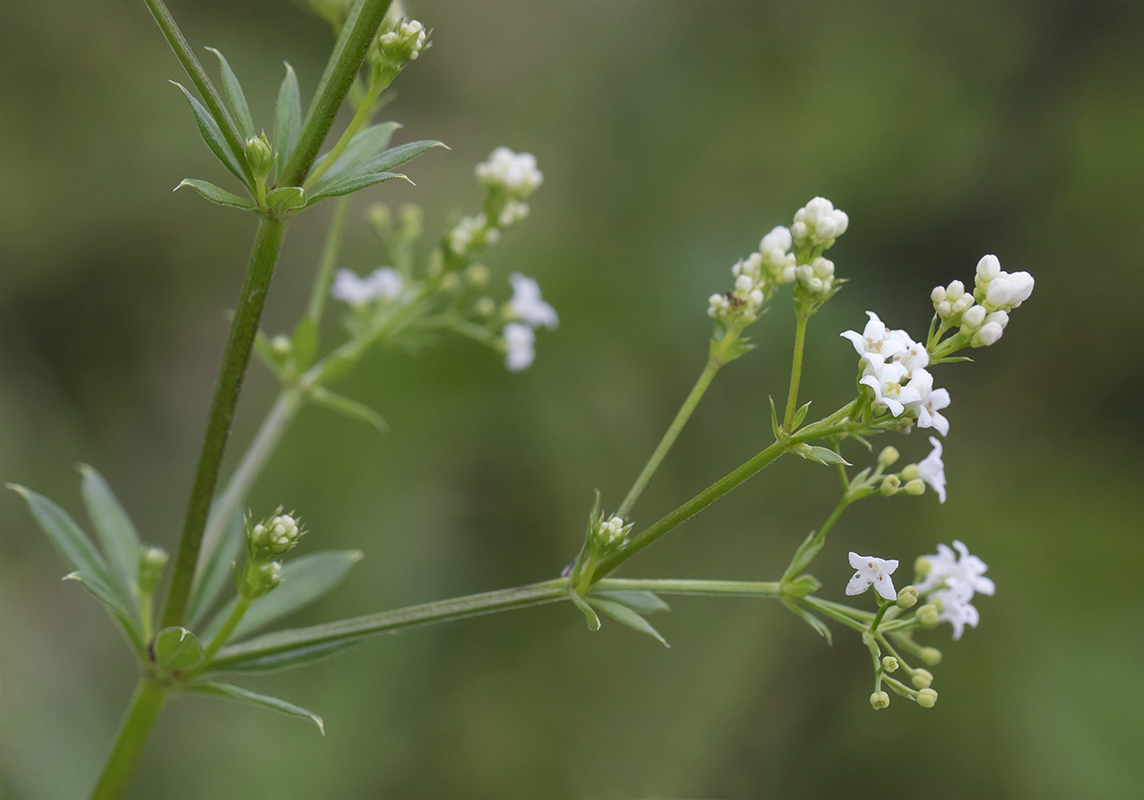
{"x":952,"y":581}
{"x":516,"y":173}
{"x":874,"y":572}
{"x":931,"y":469}
{"x":520,"y":346}
{"x":383,"y":282}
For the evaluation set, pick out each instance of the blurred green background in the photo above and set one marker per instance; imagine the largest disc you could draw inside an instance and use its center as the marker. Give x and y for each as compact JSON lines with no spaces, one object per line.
{"x":672,"y":136}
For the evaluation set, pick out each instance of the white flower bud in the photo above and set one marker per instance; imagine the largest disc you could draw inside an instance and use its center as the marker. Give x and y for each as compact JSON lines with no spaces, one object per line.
{"x":954,"y":291}
{"x":888,"y":457}
{"x":938,"y":295}
{"x":756,"y":297}
{"x":927,"y":698}
{"x":988,"y":268}
{"x":280,"y":344}
{"x":988,"y":335}
{"x":889,"y":664}
{"x":798,"y":231}
{"x":744,"y":283}
{"x":922,"y":678}
{"x":943,"y":309}
{"x":879,"y":700}
{"x":1009,"y":290}
{"x":973,"y":317}
{"x":999,"y":317}
{"x":930,"y":655}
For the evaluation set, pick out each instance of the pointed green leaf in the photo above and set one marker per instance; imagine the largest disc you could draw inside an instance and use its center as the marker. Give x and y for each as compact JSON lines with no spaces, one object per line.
{"x":267,"y":354}
{"x":774,"y":418}
{"x":218,"y":571}
{"x":298,"y":656}
{"x":350,"y":408}
{"x":212,"y":135}
{"x":116,"y":532}
{"x":304,"y":580}
{"x":217,"y":195}
{"x":305,"y":345}
{"x":640,"y":602}
{"x":235,"y":98}
{"x":287,"y":117}
{"x":352,"y":183}
{"x":624,"y":615}
{"x":823,"y":455}
{"x":800,"y":415}
{"x":370,"y":171}
{"x":396,"y":156}
{"x":124,"y":619}
{"x":176,"y":649}
{"x":249,"y":697}
{"x":286,"y":199}
{"x":362,"y":147}
{"x":589,"y":615}
{"x":69,"y":539}
{"x":811,"y":620}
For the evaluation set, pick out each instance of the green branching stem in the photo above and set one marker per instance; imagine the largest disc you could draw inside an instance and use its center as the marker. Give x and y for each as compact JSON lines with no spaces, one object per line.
{"x":144,"y":708}
{"x":360,"y":117}
{"x":685,"y":411}
{"x":813,"y":543}
{"x":353,"y":43}
{"x":330,"y":251}
{"x":200,"y":79}
{"x":795,"y":370}
{"x":252,"y":298}
{"x":227,"y":628}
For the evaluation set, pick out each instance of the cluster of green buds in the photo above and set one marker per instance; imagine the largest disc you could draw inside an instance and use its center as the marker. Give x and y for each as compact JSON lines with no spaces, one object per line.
{"x":394,"y":47}
{"x":879,"y":481}
{"x":266,"y":542}
{"x":605,"y":535}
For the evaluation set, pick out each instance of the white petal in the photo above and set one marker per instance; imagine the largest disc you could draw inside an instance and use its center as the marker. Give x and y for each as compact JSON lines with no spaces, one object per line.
{"x":858,"y":584}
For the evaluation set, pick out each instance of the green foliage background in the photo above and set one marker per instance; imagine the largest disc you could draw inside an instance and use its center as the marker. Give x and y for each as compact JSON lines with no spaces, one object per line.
{"x":672,"y":136}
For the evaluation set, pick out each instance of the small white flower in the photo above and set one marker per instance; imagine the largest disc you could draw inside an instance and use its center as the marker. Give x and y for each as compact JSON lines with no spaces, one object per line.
{"x":527,"y":304}
{"x":931,"y":469}
{"x":956,"y":608}
{"x":886,"y":381}
{"x":963,"y":568}
{"x":874,"y":572}
{"x":516,"y":173}
{"x":520,"y":346}
{"x":467,"y":233}
{"x":349,"y":288}
{"x":386,"y":282}
{"x":820,"y":222}
{"x":930,"y":403}
{"x":513,"y":212}
{"x":988,"y":268}
{"x":876,"y":339}
{"x":775,"y":255}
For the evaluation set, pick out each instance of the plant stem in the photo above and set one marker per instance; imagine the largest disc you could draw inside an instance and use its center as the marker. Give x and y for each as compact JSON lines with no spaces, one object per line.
{"x":809,"y":548}
{"x":673,"y":586}
{"x":672,"y":434}
{"x":691,"y":507}
{"x":145,"y":706}
{"x":353,"y":42}
{"x":227,"y":628}
{"x":267,"y":243}
{"x":343,"y":140}
{"x":330,"y":250}
{"x":265,"y":441}
{"x":146,"y":617}
{"x":795,"y":371}
{"x":201,"y":80}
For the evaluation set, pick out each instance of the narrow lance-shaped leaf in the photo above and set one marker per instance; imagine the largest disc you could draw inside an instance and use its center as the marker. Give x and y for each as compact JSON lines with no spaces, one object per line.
{"x":589,"y":615}
{"x":823,"y":455}
{"x":287,"y":117}
{"x":217,"y":195}
{"x":246,"y":696}
{"x":625,"y":616}
{"x":217,"y":573}
{"x":304,"y":580}
{"x":115,"y":530}
{"x":177,"y":649}
{"x":811,"y":620}
{"x":354,"y":183}
{"x":124,"y":620}
{"x":265,"y":351}
{"x":305,"y":343}
{"x":350,"y":408}
{"x":639,"y":601}
{"x":363,"y":146}
{"x":370,"y":168}
{"x":289,"y":659}
{"x":212,"y":135}
{"x":235,"y":98}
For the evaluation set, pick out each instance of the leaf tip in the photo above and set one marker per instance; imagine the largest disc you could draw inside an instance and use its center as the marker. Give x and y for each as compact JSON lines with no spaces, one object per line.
{"x":356,"y":555}
{"x":18,"y":489}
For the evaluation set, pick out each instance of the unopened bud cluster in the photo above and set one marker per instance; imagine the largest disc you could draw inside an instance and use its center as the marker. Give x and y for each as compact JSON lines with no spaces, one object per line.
{"x":151,"y":563}
{"x":260,"y":156}
{"x":403,"y":43}
{"x":609,"y":533}
{"x":983,"y":314}
{"x":266,"y":542}
{"x":818,"y":224}
{"x":515,"y":174}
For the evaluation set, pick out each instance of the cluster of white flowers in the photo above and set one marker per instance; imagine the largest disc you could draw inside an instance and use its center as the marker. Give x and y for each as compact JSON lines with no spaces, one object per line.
{"x":984,"y":313}
{"x":931,"y":469}
{"x":513,"y":212}
{"x":818,"y":224}
{"x":950,"y":581}
{"x":817,"y":277}
{"x":894,"y":367}
{"x":383,"y":283}
{"x":756,"y":278}
{"x":515,"y":173}
{"x":403,"y":43}
{"x":874,"y":572}
{"x":471,"y":234}
{"x":528,"y":311}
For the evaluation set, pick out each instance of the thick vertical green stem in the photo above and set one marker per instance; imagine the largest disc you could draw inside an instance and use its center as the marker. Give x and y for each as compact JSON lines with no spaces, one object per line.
{"x":200,"y":79}
{"x":267,"y":243}
{"x":672,"y":434}
{"x":145,"y":706}
{"x":795,"y":372}
{"x":353,"y":42}
{"x":283,"y":411}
